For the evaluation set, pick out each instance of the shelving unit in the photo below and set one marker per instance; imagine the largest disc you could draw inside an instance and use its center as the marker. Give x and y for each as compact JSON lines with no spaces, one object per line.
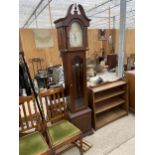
{"x":107,"y":96}
{"x":130,"y":76}
{"x":108,"y":102}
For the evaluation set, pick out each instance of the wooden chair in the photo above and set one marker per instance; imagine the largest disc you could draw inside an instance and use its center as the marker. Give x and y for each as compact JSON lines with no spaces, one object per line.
{"x":59,"y":130}
{"x":36,"y":64}
{"x":31,"y":141}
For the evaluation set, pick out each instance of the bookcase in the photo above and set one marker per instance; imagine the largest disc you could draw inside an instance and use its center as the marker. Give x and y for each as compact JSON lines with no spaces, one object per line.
{"x":108,"y":102}
{"x":130,"y":77}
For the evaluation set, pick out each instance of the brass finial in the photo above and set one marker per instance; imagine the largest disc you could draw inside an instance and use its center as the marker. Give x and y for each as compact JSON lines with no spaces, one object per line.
{"x":75,"y":9}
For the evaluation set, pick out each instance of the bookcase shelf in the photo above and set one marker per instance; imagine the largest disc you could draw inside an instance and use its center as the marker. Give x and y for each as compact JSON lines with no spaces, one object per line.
{"x":110,"y":95}
{"x":108,"y":102}
{"x":108,"y":105}
{"x":109,"y":116}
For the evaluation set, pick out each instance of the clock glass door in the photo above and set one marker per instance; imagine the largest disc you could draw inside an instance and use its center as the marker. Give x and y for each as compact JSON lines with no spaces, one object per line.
{"x":75,"y":35}
{"x":78,"y":85}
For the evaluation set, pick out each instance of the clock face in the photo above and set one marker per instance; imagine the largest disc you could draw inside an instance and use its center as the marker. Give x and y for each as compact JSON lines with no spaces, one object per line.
{"x":75,"y":35}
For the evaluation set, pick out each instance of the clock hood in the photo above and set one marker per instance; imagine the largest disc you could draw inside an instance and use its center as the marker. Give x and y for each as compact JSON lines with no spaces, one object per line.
{"x":78,"y":14}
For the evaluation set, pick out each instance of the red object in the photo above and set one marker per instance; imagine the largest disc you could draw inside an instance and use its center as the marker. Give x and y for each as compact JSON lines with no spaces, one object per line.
{"x":112,"y":60}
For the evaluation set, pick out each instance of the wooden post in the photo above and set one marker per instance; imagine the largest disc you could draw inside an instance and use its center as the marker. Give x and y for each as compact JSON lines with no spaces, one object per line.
{"x":113,"y":22}
{"x":109,"y":18}
{"x":50,"y":16}
{"x":36,"y":20}
{"x":109,"y":45}
{"x":122,"y":38}
{"x":113,"y":35}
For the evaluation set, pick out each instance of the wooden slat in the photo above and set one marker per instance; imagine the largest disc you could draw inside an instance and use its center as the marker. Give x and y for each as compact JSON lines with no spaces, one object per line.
{"x":36,"y":113}
{"x":59,"y":103}
{"x":26,"y":129}
{"x":26,"y":119}
{"x":41,"y":103}
{"x":63,"y":103}
{"x":23,"y":99}
{"x":47,"y":108}
{"x":55,"y":104}
{"x":46,"y":102}
{"x":44,"y":110}
{"x":50,"y":92}
{"x":51,"y":105}
{"x":30,"y":113}
{"x":21,"y":121}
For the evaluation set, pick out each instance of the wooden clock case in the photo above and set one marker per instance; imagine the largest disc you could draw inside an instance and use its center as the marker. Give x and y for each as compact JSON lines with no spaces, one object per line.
{"x":74,"y":63}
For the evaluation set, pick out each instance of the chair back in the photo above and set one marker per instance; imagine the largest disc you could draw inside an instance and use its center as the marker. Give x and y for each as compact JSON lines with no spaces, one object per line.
{"x":36,"y":64}
{"x":131,"y":62}
{"x":28,"y":114}
{"x":53,"y":104}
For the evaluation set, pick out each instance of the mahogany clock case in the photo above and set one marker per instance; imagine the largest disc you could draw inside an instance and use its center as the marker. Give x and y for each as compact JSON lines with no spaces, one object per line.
{"x":73,"y":54}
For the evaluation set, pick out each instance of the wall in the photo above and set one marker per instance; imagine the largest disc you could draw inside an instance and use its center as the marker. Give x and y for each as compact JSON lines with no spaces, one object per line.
{"x":52,"y":55}
{"x":94,"y":44}
{"x":130,"y":42}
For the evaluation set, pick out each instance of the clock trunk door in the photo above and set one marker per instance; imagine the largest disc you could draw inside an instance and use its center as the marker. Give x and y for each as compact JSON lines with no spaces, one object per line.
{"x":78,"y":81}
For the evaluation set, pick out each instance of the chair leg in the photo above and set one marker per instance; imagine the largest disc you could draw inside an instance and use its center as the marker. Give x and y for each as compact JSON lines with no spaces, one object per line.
{"x":53,"y":152}
{"x":81,"y":150}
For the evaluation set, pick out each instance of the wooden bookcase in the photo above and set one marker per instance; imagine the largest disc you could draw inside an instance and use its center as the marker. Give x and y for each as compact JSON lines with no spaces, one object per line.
{"x":130,"y":77}
{"x":108,"y":102}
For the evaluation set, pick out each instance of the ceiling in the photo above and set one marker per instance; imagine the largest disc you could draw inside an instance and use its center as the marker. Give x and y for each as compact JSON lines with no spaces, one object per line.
{"x":35,"y":13}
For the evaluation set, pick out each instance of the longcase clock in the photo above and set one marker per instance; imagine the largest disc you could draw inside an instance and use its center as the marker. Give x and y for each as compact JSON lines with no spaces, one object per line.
{"x":72,"y":41}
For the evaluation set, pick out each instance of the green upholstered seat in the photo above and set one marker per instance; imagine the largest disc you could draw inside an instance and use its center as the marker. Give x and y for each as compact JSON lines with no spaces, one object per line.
{"x":62,"y":131}
{"x":32,"y":144}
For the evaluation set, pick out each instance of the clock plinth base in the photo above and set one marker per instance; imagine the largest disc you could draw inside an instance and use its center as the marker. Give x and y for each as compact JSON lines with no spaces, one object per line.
{"x":82,"y":120}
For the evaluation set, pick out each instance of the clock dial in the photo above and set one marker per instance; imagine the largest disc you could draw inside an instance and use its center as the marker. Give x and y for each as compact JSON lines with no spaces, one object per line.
{"x":75,"y":35}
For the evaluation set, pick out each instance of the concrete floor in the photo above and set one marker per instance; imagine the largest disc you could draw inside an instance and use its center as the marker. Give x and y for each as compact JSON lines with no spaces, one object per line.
{"x":126,"y":148}
{"x":116,"y":138}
